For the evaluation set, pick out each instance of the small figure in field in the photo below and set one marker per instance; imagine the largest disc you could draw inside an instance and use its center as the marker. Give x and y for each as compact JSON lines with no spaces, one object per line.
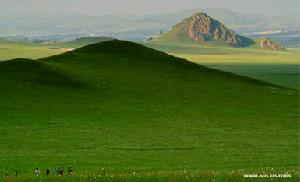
{"x":54,"y":171}
{"x":16,"y":173}
{"x":60,"y":171}
{"x":70,"y":171}
{"x":37,"y":172}
{"x":47,"y":172}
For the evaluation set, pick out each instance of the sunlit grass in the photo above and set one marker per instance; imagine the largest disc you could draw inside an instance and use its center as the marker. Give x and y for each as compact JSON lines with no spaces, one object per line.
{"x":279,"y":67}
{"x":127,"y":110}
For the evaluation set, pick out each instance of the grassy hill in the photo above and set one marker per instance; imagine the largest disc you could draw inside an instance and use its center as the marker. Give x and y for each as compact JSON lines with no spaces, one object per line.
{"x":279,"y":67}
{"x":120,"y":108}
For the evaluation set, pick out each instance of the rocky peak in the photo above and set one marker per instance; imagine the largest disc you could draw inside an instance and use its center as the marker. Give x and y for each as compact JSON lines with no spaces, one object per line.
{"x":269,"y":44}
{"x":203,"y":28}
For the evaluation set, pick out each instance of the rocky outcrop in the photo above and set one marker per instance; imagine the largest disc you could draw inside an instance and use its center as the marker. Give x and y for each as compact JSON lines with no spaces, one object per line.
{"x":203,"y":28}
{"x":270,"y":44}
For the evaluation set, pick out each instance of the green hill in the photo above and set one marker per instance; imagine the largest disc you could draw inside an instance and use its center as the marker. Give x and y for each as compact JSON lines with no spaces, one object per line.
{"x":130,"y":109}
{"x":206,"y":41}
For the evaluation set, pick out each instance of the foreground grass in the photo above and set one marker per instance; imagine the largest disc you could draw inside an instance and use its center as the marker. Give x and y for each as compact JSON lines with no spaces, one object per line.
{"x":182,"y":176}
{"x":124,"y":108}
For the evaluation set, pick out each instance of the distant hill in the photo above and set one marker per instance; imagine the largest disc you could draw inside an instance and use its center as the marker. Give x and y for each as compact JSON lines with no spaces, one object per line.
{"x":202,"y":28}
{"x":269,"y":44}
{"x":91,"y":40}
{"x":246,"y":24}
{"x":76,"y":43}
{"x":80,"y":42}
{"x":290,"y":39}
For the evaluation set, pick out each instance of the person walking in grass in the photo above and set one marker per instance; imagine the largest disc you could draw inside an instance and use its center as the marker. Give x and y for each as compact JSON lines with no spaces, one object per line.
{"x":37,"y":172}
{"x":70,"y":171}
{"x":54,"y":171}
{"x":47,"y":172}
{"x":60,"y":171}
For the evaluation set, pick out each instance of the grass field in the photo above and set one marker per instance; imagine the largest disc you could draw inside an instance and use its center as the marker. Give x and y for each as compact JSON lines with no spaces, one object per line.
{"x":11,"y":50}
{"x":278,"y":67}
{"x":122,"y":108}
{"x":149,"y":177}
{"x":34,"y":50}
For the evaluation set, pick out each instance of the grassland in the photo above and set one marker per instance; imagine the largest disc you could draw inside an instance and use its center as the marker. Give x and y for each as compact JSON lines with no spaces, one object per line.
{"x":278,"y":67}
{"x":11,"y":50}
{"x":35,"y":50}
{"x":126,"y":109}
{"x":150,"y":177}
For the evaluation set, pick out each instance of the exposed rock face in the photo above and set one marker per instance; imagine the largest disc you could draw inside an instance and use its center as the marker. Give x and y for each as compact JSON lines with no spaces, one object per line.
{"x":269,"y":44}
{"x":202,"y":28}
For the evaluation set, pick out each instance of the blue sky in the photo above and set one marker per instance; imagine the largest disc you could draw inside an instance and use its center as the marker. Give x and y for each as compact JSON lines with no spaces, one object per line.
{"x":99,"y":7}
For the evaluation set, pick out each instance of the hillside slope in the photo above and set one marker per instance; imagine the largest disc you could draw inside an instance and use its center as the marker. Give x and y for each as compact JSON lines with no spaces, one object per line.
{"x":124,"y":107}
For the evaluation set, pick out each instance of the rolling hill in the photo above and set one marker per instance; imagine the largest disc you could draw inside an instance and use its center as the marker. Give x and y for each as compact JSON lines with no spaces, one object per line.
{"x":120,"y":107}
{"x":205,"y":40}
{"x":278,"y":67}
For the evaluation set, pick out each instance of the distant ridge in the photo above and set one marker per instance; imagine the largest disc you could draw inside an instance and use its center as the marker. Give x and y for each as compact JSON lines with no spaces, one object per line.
{"x":83,"y":41}
{"x":91,"y":40}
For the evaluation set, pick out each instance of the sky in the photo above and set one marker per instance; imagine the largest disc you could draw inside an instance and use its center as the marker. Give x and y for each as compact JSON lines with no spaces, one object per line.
{"x":104,"y":7}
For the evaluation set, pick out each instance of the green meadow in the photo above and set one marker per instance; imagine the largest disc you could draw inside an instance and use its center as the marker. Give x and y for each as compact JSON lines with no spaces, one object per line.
{"x":35,"y":50}
{"x":11,"y":50}
{"x":119,"y":111}
{"x":278,"y":67}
